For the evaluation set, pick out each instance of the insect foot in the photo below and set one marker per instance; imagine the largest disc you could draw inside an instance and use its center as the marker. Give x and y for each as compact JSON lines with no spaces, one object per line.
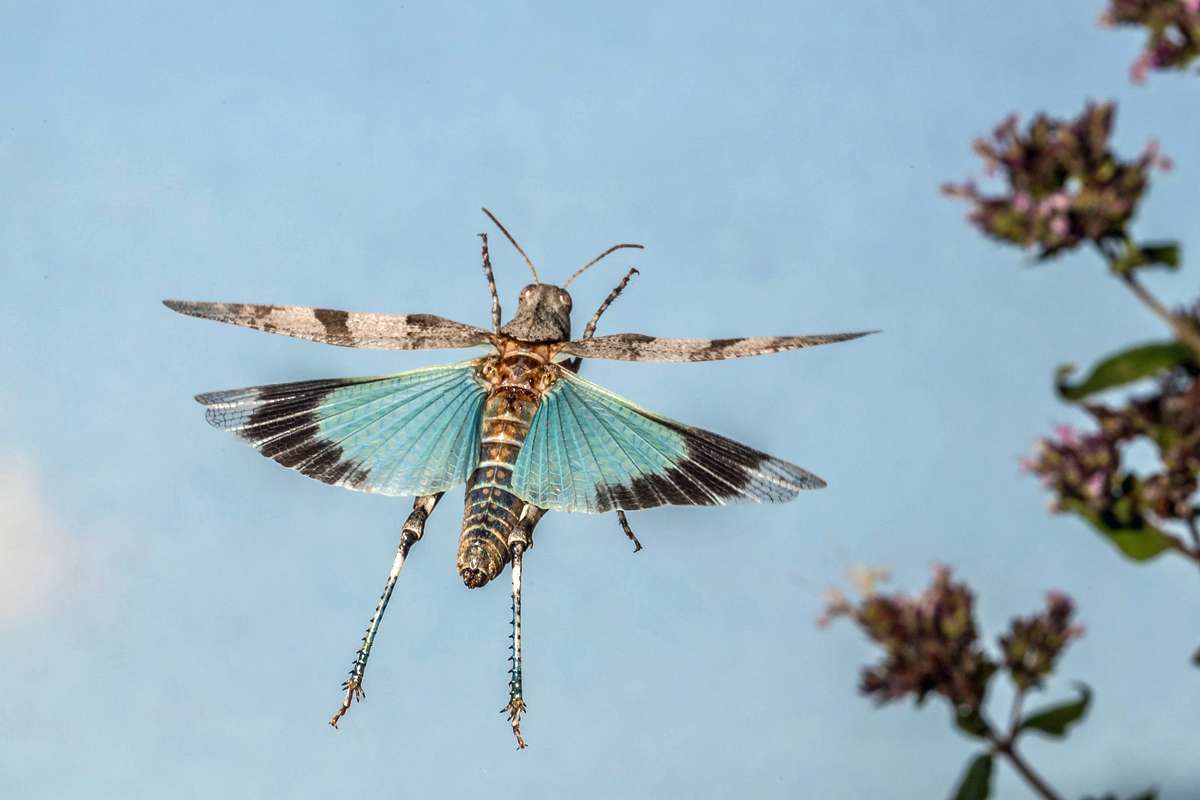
{"x":353,"y":692}
{"x":514,"y":709}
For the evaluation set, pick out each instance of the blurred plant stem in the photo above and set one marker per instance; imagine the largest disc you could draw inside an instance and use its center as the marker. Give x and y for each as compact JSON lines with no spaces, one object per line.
{"x":1183,"y":328}
{"x":1005,"y":746}
{"x":1006,"y":749}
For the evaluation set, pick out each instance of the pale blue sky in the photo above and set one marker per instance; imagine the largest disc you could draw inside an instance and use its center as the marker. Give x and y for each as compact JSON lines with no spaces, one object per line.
{"x":780,"y":161}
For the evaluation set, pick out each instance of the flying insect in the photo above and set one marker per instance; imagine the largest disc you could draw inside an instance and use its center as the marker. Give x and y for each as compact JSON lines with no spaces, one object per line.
{"x":517,"y":426}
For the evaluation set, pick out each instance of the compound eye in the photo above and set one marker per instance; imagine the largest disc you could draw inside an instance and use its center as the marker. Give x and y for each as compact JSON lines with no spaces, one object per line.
{"x":526,"y":292}
{"x":565,"y":299}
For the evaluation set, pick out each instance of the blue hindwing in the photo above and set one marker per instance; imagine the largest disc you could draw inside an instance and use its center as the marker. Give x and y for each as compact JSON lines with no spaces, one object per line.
{"x":591,"y":450}
{"x":412,"y":433}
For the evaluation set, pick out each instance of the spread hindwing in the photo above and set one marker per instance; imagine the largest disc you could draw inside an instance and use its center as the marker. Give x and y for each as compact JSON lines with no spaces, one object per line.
{"x":591,"y":450}
{"x":412,"y":433}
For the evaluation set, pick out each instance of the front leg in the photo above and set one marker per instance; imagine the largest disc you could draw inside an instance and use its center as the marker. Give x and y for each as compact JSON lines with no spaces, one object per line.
{"x":410,"y":534}
{"x":590,"y":329}
{"x":491,"y":280}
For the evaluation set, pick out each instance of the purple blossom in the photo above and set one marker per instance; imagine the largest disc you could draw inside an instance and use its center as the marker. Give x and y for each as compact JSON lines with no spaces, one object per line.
{"x":1063,"y":185}
{"x":1172,"y":28}
{"x":1066,"y":434}
{"x":931,"y":645}
{"x":1087,"y":474}
{"x":1032,"y":645}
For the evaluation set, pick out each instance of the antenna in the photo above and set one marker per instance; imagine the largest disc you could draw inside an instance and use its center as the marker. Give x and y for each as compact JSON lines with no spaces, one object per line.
{"x":504,"y":230}
{"x":583,"y":269}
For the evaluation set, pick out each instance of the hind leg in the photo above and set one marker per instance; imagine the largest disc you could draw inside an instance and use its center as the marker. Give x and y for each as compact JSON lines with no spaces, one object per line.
{"x":410,"y":534}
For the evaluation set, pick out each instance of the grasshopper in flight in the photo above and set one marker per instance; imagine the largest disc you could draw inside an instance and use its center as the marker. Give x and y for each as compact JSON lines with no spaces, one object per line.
{"x":517,"y":426}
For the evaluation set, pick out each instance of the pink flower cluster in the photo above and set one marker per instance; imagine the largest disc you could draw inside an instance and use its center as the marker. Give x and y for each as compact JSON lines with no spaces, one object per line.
{"x":1064,"y":186}
{"x":1173,"y":32}
{"x":1088,"y":474}
{"x":931,"y":645}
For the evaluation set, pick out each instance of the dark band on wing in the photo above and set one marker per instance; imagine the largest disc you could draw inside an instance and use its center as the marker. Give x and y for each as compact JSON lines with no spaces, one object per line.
{"x":641,"y":347}
{"x":341,"y":328}
{"x":280,"y":421}
{"x":714,"y":470}
{"x":336,"y":324}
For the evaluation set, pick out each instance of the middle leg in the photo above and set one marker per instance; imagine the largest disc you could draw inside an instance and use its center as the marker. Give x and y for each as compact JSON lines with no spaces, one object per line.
{"x":621,"y":518}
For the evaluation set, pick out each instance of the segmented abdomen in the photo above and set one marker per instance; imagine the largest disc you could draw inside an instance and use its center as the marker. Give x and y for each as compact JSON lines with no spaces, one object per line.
{"x":491,"y":511}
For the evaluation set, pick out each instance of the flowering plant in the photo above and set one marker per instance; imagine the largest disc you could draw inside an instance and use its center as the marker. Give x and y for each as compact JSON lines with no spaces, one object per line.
{"x":1057,"y":185}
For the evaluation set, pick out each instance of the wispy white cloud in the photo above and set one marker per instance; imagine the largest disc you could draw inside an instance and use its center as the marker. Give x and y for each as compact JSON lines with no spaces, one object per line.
{"x":39,"y":559}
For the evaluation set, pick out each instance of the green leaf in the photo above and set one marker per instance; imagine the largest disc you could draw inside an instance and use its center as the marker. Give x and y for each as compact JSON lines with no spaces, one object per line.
{"x":1151,"y":254}
{"x":1121,"y":368}
{"x":1161,"y":254}
{"x":1139,"y":544}
{"x":976,"y":783}
{"x":970,"y":722}
{"x":1135,"y":537}
{"x":1056,"y":720}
